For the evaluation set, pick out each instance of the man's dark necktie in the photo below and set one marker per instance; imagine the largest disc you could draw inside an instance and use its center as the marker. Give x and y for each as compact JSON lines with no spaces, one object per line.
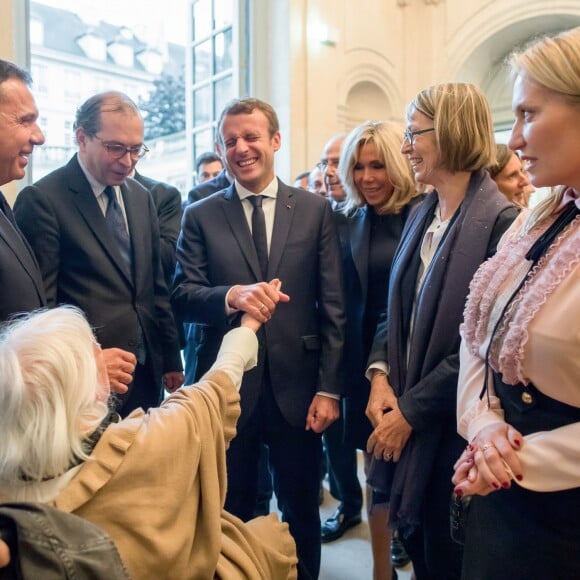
{"x":5,"y":209}
{"x":259,"y":233}
{"x":116,"y":224}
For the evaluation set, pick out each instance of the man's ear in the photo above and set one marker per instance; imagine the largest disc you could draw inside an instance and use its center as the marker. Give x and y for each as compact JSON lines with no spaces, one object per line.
{"x":81,"y":137}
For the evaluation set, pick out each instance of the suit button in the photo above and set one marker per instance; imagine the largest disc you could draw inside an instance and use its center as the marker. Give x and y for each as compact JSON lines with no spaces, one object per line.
{"x":527,"y":398}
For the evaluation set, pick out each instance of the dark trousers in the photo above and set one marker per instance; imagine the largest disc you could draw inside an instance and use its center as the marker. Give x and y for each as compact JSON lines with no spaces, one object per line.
{"x":434,"y":554}
{"x":295,"y":457}
{"x":143,"y":391}
{"x":342,"y":468}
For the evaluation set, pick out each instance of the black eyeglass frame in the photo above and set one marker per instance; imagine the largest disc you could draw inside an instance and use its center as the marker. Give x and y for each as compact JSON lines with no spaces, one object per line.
{"x":118,"y":151}
{"x":409,"y":135}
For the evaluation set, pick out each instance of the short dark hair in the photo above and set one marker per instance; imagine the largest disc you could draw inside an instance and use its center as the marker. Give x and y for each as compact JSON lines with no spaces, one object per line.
{"x":8,"y":70}
{"x":88,"y":115}
{"x":302,"y":175}
{"x":206,"y":157}
{"x":246,"y":106}
{"x":503,"y":154}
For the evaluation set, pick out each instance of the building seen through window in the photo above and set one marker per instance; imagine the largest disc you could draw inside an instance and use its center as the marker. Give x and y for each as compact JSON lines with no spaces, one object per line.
{"x":140,"y":48}
{"x":212,"y":68}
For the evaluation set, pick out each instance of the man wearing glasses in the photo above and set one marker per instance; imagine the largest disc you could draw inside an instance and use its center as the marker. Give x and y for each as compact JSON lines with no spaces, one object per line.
{"x":95,"y":234}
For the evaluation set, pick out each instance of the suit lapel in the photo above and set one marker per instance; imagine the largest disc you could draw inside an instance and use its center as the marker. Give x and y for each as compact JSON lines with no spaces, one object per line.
{"x":88,"y":207}
{"x":238,"y":223}
{"x":19,"y":247}
{"x":285,"y":207}
{"x":359,"y":236}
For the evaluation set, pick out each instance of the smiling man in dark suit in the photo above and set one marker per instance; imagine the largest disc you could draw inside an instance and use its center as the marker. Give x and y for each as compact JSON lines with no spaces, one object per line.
{"x":20,"y":277}
{"x":226,"y":253}
{"x":20,"y":280}
{"x":96,"y":238}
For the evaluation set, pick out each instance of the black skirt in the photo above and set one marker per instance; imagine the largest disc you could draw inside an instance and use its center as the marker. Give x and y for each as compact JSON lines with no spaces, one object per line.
{"x":518,"y":534}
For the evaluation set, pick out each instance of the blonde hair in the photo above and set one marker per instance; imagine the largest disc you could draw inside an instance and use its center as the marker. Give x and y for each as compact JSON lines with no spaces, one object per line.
{"x":463,"y":125}
{"x":48,"y":393}
{"x":387,"y":138}
{"x":554,"y":63}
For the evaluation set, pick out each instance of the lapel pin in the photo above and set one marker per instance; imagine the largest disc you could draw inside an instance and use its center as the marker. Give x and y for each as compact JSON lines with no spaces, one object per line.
{"x":289,"y":206}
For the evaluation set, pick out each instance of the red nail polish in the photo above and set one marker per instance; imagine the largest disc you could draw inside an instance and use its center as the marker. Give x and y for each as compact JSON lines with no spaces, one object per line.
{"x":506,"y":484}
{"x":519,"y":477}
{"x":517,"y":442}
{"x":458,"y":492}
{"x":495,"y":485}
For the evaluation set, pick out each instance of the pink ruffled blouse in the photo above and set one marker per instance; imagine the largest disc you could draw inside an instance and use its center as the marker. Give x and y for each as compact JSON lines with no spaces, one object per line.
{"x":537,"y":341}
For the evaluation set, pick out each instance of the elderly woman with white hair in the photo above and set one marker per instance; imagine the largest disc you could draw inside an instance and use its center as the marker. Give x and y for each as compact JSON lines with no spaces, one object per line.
{"x":155,"y":482}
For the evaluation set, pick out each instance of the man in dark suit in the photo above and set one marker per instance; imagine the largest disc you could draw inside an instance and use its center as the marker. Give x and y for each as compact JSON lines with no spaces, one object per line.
{"x":20,"y":277}
{"x":207,"y":184}
{"x":167,"y":200}
{"x":222,"y":269}
{"x":20,"y":280}
{"x":96,"y":238}
{"x":205,"y":189}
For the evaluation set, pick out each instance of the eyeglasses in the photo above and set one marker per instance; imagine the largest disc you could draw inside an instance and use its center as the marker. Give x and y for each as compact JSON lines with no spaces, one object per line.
{"x":324,"y":163}
{"x":410,"y":135}
{"x":117,"y":151}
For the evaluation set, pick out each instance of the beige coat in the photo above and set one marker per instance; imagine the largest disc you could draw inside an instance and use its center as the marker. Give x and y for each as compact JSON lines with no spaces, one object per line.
{"x":156,"y":484}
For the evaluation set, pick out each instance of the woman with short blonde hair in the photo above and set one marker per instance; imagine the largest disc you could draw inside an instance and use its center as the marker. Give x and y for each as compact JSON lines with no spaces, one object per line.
{"x":413,"y":364}
{"x":386,"y":137}
{"x":380,"y":194}
{"x":519,"y":389}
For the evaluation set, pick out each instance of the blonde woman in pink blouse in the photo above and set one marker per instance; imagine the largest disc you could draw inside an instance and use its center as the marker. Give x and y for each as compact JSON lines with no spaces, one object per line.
{"x":519,"y":382}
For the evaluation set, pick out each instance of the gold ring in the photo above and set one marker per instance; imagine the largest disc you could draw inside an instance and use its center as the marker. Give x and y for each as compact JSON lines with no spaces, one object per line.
{"x":262,"y":306}
{"x":388,"y":456}
{"x":487,"y":446}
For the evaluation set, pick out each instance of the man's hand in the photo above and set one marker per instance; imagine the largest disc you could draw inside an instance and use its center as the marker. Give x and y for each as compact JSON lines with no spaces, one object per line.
{"x":259,"y":300}
{"x":390,"y":436}
{"x":173,"y":380}
{"x":322,"y":413}
{"x":4,"y":554}
{"x":382,"y":398}
{"x":250,"y":321}
{"x":120,"y":366}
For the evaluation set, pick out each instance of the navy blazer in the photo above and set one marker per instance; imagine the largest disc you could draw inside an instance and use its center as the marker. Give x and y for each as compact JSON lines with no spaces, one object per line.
{"x":355,"y":238}
{"x":81,"y":263}
{"x":205,"y":189}
{"x":167,"y":200}
{"x":304,"y":340}
{"x":20,"y":280}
